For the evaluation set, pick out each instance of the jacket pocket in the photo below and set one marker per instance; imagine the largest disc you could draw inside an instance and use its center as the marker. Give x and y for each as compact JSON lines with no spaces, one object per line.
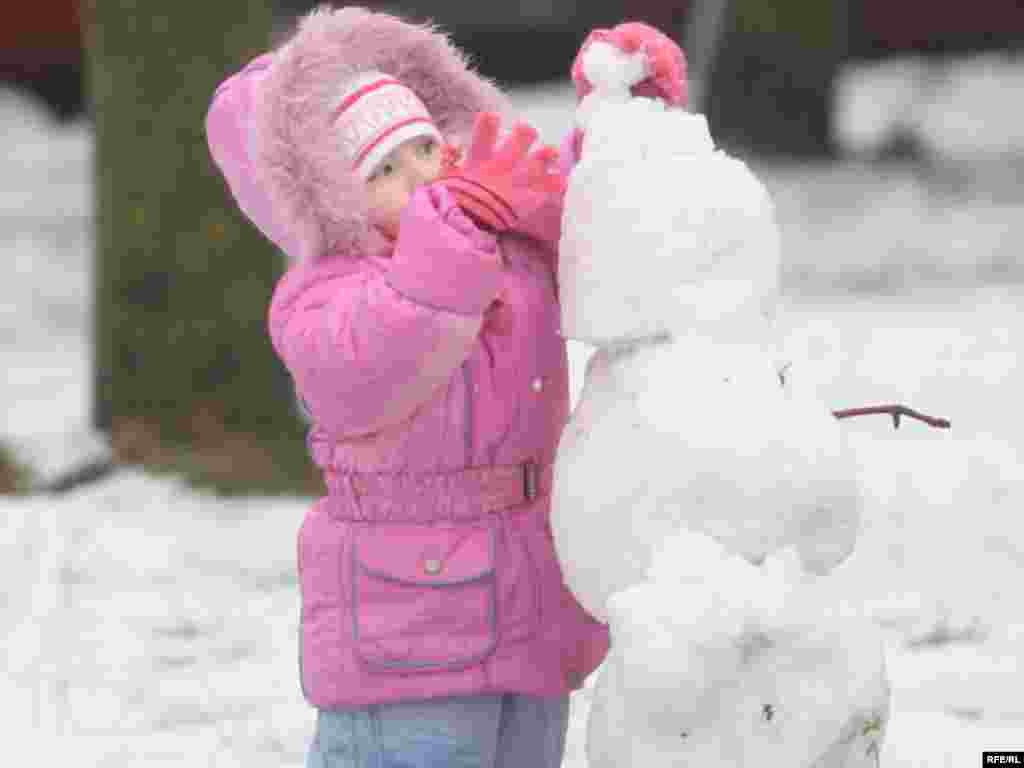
{"x":424,"y":597}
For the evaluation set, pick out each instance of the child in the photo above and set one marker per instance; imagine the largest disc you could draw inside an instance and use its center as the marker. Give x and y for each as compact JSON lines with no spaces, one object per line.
{"x":420,"y":324}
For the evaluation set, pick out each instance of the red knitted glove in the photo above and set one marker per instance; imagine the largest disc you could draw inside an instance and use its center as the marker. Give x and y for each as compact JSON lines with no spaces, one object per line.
{"x":666,"y":63}
{"x":498,"y":186}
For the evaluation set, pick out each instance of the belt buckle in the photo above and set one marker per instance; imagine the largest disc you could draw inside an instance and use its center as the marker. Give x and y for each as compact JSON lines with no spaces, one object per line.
{"x":530,"y":477}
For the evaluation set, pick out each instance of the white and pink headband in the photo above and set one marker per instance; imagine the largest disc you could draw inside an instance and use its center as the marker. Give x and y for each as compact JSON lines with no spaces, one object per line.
{"x":375,"y":114}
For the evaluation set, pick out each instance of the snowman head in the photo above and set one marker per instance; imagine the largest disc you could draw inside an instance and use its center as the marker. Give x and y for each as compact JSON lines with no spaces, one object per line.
{"x":661,"y":232}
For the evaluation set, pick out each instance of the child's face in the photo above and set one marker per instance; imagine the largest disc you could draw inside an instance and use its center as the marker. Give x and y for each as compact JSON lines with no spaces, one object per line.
{"x":416,"y":162}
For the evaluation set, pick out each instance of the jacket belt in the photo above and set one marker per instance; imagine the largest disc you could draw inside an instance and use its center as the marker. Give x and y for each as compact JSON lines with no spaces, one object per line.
{"x":428,"y":497}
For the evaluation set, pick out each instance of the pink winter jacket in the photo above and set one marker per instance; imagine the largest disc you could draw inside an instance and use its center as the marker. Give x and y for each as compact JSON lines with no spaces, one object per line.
{"x":429,"y":568}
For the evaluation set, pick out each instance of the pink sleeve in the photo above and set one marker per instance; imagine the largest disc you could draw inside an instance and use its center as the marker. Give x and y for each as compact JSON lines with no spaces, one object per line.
{"x":228,"y":127}
{"x":366,"y":349}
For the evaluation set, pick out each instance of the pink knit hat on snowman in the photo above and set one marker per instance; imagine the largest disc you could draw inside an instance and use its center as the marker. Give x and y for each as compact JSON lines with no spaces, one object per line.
{"x":375,"y":114}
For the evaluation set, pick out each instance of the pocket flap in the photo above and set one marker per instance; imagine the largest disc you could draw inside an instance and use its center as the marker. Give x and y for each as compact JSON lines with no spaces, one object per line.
{"x":425,"y":555}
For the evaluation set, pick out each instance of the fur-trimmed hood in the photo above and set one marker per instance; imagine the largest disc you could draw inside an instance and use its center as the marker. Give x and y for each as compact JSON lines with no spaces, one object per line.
{"x":293,"y":156}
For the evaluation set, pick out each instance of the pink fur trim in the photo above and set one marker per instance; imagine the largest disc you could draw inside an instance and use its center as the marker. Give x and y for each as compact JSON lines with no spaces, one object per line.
{"x":294,"y":151}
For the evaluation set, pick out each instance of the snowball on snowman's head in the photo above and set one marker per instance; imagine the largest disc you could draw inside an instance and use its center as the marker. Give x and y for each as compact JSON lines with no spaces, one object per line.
{"x":612,"y":73}
{"x":659,"y":227}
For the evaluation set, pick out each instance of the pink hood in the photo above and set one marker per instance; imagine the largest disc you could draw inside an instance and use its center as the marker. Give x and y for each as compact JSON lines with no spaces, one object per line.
{"x":269,"y":132}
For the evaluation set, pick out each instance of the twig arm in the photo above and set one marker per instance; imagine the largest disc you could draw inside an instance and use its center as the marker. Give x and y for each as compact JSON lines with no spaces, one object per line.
{"x":895,"y":411}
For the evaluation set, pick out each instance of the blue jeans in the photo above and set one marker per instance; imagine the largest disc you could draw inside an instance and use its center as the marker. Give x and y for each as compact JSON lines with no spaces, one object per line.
{"x":497,"y":731}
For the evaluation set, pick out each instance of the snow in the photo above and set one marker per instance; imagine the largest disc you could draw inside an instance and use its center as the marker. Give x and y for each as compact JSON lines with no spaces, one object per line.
{"x":611,"y":73}
{"x":732,"y":658}
{"x":953,"y":107}
{"x":714,"y":660}
{"x":617,"y":188}
{"x":140,"y":630}
{"x":698,"y":294}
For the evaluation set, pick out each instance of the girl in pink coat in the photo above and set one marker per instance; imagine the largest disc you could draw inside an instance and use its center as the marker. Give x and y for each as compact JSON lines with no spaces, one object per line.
{"x":419,"y":320}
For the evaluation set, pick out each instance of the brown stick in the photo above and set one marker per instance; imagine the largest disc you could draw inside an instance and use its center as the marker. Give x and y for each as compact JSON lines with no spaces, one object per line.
{"x":896,"y":411}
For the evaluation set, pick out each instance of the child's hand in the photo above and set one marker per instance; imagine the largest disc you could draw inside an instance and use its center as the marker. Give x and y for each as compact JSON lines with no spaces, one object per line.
{"x":498,"y":186}
{"x":664,"y":61}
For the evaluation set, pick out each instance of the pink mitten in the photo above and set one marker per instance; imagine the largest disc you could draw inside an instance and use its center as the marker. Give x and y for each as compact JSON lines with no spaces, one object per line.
{"x":498,"y":186}
{"x":665,"y":61}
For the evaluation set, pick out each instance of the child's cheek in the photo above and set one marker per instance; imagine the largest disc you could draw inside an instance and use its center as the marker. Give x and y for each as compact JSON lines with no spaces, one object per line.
{"x":381,"y":216}
{"x":388,"y":227}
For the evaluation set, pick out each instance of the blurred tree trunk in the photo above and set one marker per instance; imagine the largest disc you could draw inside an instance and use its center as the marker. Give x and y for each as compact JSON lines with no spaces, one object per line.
{"x":772,"y":79}
{"x":702,"y":41}
{"x":185,"y":376}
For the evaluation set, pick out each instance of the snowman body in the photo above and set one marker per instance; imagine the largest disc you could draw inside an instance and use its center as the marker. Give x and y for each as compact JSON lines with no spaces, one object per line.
{"x":716,"y":661}
{"x":804,"y":697}
{"x":683,"y":418}
{"x":659,"y":444}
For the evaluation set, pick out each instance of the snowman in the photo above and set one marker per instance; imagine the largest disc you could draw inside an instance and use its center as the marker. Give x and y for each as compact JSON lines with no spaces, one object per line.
{"x":669,"y":265}
{"x":697,"y":491}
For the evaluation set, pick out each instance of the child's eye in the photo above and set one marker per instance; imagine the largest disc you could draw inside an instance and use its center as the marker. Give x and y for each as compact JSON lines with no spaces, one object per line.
{"x":384,"y":169}
{"x":428,"y":146}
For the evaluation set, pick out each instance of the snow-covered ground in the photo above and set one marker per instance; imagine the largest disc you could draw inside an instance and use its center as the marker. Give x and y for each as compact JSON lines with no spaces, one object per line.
{"x":147,"y":624}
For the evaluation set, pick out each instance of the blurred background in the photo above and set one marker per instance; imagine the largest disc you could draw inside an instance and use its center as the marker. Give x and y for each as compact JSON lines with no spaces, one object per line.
{"x":153,"y":619}
{"x":779,"y":60}
{"x":889,"y":134}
